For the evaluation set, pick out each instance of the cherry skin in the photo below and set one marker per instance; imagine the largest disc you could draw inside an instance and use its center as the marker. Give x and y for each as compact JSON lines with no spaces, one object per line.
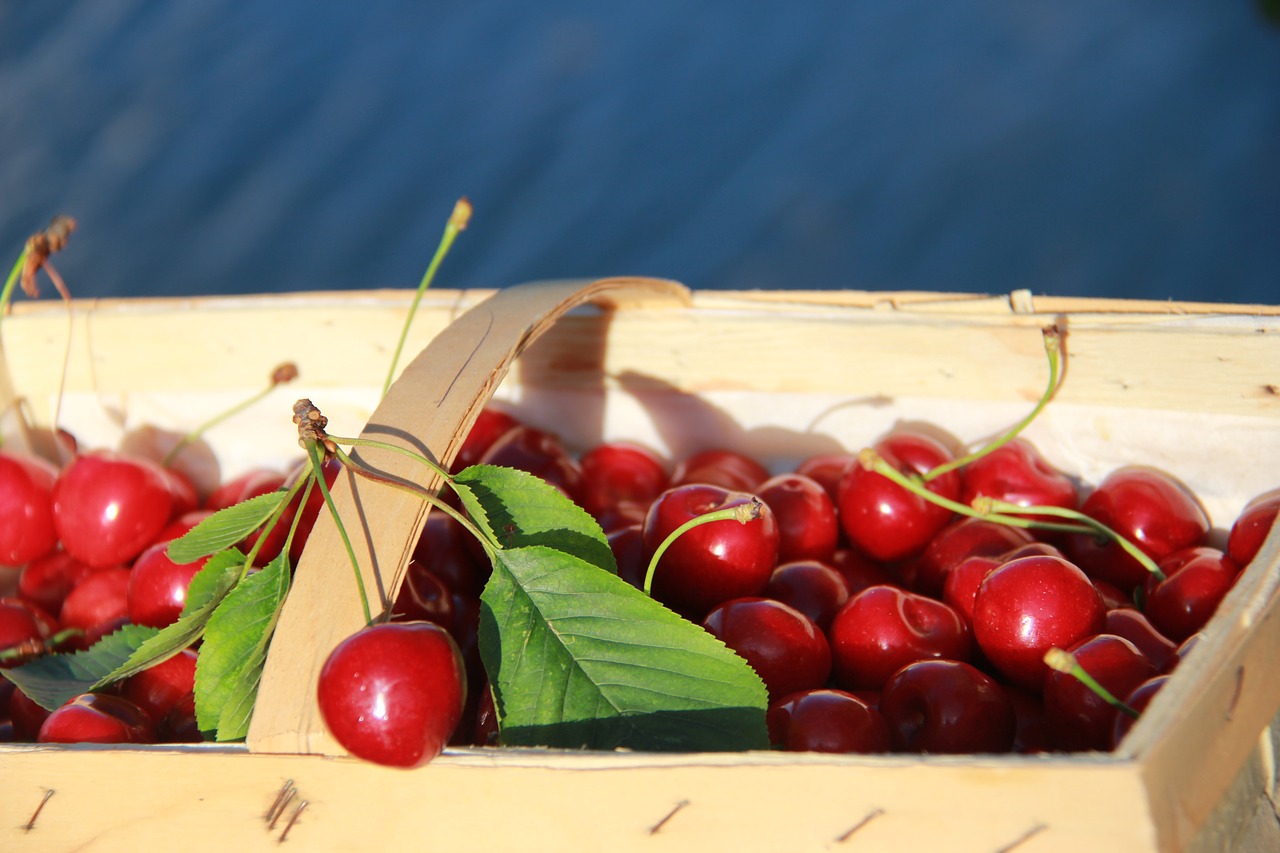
{"x":443,"y":550}
{"x":1079,"y":719}
{"x":884,"y":628}
{"x":1028,"y":606}
{"x":827,"y":469}
{"x":46,"y":581}
{"x":1252,"y":527}
{"x":785,"y":648}
{"x":947,"y":707}
{"x":1150,"y":509}
{"x":807,"y":525}
{"x":393,"y":693}
{"x":1017,"y":473}
{"x":860,"y":571}
{"x":26,"y":506}
{"x":814,"y":588}
{"x":107,"y":508}
{"x":728,"y":469}
{"x":158,"y":587}
{"x":98,"y":604}
{"x":1135,"y":627}
{"x":97,"y":718}
{"x":965,"y":537}
{"x":620,"y":480}
{"x":1196,"y":581}
{"x":960,"y":590}
{"x":827,"y":720}
{"x":715,"y":561}
{"x":882,"y":519}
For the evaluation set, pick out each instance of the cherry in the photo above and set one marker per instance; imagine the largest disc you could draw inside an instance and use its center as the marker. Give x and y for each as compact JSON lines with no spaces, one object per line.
{"x":620,"y":480}
{"x":26,"y":505}
{"x":443,"y":550}
{"x":1079,"y":718}
{"x":97,"y":718}
{"x":1016,"y":473}
{"x":807,"y":525}
{"x":1150,"y":509}
{"x":26,"y":716}
{"x":157,"y":588}
{"x":1138,"y":699}
{"x":827,"y":720}
{"x":182,"y":525}
{"x":1196,"y":581}
{"x":729,"y":469}
{"x":539,"y":453}
{"x":715,"y":561}
{"x":490,"y":425}
{"x":107,"y":508}
{"x":827,"y":469}
{"x":881,"y":518}
{"x":1131,"y":624}
{"x":1028,"y":606}
{"x":785,"y":648}
{"x":814,"y":588}
{"x":1251,"y":527}
{"x":231,"y":492}
{"x":1032,"y":730}
{"x":308,"y":512}
{"x":98,"y":604}
{"x":23,"y":627}
{"x":860,"y":571}
{"x":394,"y":693}
{"x":424,"y":597}
{"x":166,"y":693}
{"x":627,"y":544}
{"x":884,"y":628}
{"x":965,"y":537}
{"x":948,"y":707}
{"x":46,"y":580}
{"x":960,"y":590}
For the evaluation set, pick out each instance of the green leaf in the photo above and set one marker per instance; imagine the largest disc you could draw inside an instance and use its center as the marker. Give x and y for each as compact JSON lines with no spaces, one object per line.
{"x":209,"y":586}
{"x":235,"y":649}
{"x":224,"y":528}
{"x":580,"y":658}
{"x":516,"y":510}
{"x":52,"y":680}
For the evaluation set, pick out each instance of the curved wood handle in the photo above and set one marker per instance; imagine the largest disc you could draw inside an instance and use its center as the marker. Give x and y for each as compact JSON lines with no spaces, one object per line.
{"x":430,"y":408}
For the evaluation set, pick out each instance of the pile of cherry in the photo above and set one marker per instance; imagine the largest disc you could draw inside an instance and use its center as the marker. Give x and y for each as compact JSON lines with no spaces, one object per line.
{"x":878,"y":620}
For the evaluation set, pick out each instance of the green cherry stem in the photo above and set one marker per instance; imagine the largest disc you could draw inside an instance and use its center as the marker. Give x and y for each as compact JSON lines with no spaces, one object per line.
{"x":1066,"y":663}
{"x":316,"y":454}
{"x":284,"y":373}
{"x":1053,"y":349}
{"x":457,"y":222}
{"x":742,"y":513}
{"x":7,"y":294}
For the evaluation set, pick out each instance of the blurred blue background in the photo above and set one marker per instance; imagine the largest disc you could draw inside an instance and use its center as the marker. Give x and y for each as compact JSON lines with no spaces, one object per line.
{"x":220,"y":146}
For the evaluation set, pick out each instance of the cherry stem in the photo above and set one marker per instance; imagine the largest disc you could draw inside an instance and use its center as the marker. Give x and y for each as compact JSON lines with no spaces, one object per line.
{"x":1053,"y":349}
{"x":741,"y":513}
{"x":1066,"y":663}
{"x":36,"y":647}
{"x":7,"y":294}
{"x":457,"y":222}
{"x":284,"y":373}
{"x":1003,"y":512}
{"x":316,"y":454}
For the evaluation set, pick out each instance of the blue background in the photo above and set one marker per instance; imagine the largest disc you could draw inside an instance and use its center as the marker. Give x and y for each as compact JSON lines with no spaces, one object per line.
{"x":219,"y":146}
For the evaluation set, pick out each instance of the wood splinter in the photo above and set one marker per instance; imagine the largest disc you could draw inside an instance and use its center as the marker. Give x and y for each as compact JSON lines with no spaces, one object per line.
{"x":31,"y":824}
{"x":848,"y":833}
{"x":653,"y":830}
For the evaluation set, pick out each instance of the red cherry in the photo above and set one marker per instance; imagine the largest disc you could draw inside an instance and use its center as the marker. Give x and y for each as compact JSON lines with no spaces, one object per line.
{"x":1028,"y":606}
{"x":231,"y":492}
{"x":627,"y":544}
{"x":107,"y":508}
{"x":1079,"y":718}
{"x":860,"y":571}
{"x":728,"y":469}
{"x":424,"y":597}
{"x":539,"y":453}
{"x":1032,"y":735}
{"x":23,"y":626}
{"x":814,"y":588}
{"x":1150,"y":509}
{"x":1252,"y":527}
{"x":182,"y":525}
{"x":1016,"y":473}
{"x":393,"y":693}
{"x":827,"y":469}
{"x":1196,"y":581}
{"x":827,"y":720}
{"x":158,"y":587}
{"x":961,"y":587}
{"x":47,"y":580}
{"x":97,"y":718}
{"x":490,"y":425}
{"x":620,"y":480}
{"x":442,"y":549}
{"x":1131,"y":624}
{"x":884,"y":628}
{"x":26,"y":506}
{"x":947,"y":707}
{"x":715,"y":561}
{"x":882,"y":519}
{"x":785,"y":648}
{"x":965,"y":537}
{"x":98,"y":604}
{"x":166,"y":693}
{"x":807,"y":525}
{"x":1138,"y":699}
{"x":27,"y":717}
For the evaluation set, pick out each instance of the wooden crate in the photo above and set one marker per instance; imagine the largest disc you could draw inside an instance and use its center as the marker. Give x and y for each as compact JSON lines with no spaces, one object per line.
{"x":1192,"y":388}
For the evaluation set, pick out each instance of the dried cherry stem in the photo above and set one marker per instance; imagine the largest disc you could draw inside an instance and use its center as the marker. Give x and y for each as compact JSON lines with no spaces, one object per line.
{"x":1063,"y":661}
{"x":284,"y":373}
{"x":1053,"y":349}
{"x":457,"y":222}
{"x":741,"y":513}
{"x":1010,"y":514}
{"x":29,"y":650}
{"x":34,"y":257}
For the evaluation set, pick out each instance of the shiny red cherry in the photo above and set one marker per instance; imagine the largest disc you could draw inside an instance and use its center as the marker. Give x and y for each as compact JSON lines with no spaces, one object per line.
{"x":827,"y":720}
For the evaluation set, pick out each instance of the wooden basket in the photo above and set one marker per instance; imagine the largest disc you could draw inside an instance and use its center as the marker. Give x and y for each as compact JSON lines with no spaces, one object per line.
{"x":1192,"y":388}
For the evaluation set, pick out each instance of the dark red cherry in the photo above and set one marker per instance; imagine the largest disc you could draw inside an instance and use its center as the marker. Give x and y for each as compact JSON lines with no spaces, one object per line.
{"x":807,"y":525}
{"x":157,"y":589}
{"x":1252,"y":526}
{"x":97,"y":718}
{"x":1196,"y":581}
{"x":827,"y":720}
{"x":490,"y":425}
{"x":1080,"y":719}
{"x":1017,"y":473}
{"x":620,"y":480}
{"x":812,"y":587}
{"x":539,"y":453}
{"x":785,"y":648}
{"x":964,"y":537}
{"x":729,"y":469}
{"x":947,"y":707}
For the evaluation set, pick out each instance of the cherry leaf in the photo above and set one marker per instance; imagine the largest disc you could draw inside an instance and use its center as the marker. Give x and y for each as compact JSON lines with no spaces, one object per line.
{"x":231,"y":658}
{"x":224,"y":528}
{"x":516,"y":509}
{"x":206,"y":591}
{"x":579,"y":658}
{"x":52,"y":680}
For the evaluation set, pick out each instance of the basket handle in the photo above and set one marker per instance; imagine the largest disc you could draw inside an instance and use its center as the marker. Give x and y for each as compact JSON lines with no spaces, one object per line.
{"x":430,"y":408}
